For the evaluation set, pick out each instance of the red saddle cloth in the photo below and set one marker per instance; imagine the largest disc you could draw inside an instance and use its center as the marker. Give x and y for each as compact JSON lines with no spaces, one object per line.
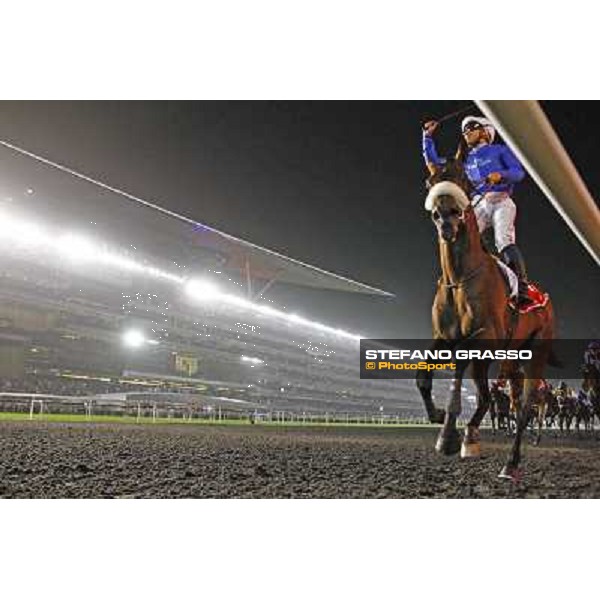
{"x":537,"y":299}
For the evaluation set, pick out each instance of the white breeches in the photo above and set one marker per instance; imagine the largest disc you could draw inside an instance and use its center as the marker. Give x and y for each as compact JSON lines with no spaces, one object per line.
{"x":497,"y":210}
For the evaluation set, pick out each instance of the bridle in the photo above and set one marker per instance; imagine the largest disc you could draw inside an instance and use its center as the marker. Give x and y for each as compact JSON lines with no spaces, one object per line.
{"x":475,"y":271}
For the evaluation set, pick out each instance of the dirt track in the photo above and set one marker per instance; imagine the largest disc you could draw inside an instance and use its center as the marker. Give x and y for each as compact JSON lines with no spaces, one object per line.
{"x":51,"y":460}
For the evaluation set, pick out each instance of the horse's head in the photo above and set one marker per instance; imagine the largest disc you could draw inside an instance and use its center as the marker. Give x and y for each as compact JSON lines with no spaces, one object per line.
{"x":448,"y":199}
{"x":452,"y":170}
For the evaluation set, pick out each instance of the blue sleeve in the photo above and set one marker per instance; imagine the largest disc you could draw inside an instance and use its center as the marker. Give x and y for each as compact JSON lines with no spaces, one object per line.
{"x":513,"y":171}
{"x":430,"y":152}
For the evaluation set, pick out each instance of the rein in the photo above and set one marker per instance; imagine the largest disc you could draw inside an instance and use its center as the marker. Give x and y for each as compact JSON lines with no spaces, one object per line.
{"x":463,"y":281}
{"x":470,"y":275}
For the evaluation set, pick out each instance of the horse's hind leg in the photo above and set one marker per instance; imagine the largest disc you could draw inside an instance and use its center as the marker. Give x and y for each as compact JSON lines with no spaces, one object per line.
{"x":511,"y":469}
{"x":471,"y":446}
{"x":425,"y":384}
{"x":533,"y":372}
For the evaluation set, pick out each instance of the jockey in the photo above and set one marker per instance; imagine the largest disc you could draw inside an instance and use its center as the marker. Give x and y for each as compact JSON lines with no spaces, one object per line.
{"x":583,"y":398}
{"x":592,"y":354}
{"x":492,"y":170}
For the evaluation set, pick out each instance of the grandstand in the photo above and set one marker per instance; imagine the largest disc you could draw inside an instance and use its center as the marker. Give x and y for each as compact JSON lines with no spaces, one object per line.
{"x":141,"y":315}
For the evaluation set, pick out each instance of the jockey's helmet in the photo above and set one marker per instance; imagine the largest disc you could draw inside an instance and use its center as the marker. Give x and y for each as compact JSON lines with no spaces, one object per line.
{"x":473,"y":122}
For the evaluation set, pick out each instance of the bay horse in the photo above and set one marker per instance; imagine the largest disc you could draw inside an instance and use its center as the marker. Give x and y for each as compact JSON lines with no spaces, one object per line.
{"x":591,"y":385}
{"x":583,"y":412}
{"x":566,"y":409}
{"x":500,"y":409}
{"x":552,"y":407}
{"x":541,"y":402}
{"x":471,"y":304}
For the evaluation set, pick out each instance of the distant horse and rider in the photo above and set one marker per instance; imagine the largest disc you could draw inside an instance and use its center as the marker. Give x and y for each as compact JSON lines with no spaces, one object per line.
{"x":500,"y":413}
{"x":475,"y":302}
{"x":591,"y":376}
{"x":552,"y":409}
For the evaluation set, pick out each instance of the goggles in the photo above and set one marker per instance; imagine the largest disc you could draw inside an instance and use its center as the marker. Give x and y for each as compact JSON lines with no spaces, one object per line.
{"x":472,"y":126}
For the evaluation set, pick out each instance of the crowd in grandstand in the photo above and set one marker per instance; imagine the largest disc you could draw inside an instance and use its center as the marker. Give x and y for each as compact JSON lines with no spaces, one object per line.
{"x":62,"y":386}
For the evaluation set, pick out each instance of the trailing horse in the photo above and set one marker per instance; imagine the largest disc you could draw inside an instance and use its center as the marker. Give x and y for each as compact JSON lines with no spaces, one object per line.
{"x":472,"y":304}
{"x":583,"y":414}
{"x":500,"y":410}
{"x":591,"y":385}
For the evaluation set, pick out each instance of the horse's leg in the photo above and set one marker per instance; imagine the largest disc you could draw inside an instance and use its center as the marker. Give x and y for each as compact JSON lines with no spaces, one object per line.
{"x":448,"y":441}
{"x":471,"y":446}
{"x":541,"y":414}
{"x":588,"y":418}
{"x":425,"y":384}
{"x":533,"y":372}
{"x":511,"y":469}
{"x":561,"y":423}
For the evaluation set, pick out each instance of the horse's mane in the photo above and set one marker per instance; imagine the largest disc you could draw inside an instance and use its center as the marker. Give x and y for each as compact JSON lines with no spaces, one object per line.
{"x":454,"y":172}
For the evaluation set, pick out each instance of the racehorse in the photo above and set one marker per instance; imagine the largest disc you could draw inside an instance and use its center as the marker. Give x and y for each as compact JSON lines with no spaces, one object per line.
{"x":591,"y":385}
{"x":566,"y":409}
{"x":500,"y":410}
{"x":536,"y":413}
{"x":471,"y":304}
{"x":551,"y":407}
{"x":583,"y":413}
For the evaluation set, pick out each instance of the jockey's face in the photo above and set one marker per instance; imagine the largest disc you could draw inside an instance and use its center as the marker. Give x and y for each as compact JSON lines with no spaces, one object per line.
{"x":447,"y":217}
{"x":475,"y":134}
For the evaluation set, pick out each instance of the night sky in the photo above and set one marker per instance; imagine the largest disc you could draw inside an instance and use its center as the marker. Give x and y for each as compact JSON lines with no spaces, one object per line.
{"x":335,"y":184}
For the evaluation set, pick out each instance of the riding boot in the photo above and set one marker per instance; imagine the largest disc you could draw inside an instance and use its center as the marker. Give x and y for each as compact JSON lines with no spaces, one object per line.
{"x":512,"y":256}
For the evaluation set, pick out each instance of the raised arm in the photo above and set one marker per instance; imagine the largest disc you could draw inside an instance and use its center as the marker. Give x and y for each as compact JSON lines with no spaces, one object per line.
{"x":430,"y":155}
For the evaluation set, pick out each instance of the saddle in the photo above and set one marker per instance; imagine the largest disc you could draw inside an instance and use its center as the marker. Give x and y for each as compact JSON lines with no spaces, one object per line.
{"x":537,"y":299}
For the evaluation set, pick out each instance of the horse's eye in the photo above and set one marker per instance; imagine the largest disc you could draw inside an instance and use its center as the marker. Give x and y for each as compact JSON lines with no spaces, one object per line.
{"x":436,"y":215}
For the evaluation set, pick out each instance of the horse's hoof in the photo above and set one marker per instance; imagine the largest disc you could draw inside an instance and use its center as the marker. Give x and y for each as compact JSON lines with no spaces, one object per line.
{"x":471,"y":448}
{"x":512,"y":474}
{"x":438,"y":417}
{"x":449,"y":443}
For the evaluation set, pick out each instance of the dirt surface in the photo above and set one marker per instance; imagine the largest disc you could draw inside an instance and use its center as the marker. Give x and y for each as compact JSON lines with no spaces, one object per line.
{"x":53,"y":460}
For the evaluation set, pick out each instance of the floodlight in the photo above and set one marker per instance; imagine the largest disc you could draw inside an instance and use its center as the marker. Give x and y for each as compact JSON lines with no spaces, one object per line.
{"x":76,"y":248}
{"x":201,"y":289}
{"x":251,"y":359}
{"x":133,"y":338}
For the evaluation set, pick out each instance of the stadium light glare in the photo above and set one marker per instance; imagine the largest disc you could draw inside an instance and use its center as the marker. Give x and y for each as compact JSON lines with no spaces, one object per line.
{"x":127,"y":264}
{"x":19,"y":231}
{"x":76,"y":248}
{"x":134,"y":338}
{"x":251,"y":359}
{"x":200,"y":289}
{"x":28,"y":233}
{"x":267,"y":310}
